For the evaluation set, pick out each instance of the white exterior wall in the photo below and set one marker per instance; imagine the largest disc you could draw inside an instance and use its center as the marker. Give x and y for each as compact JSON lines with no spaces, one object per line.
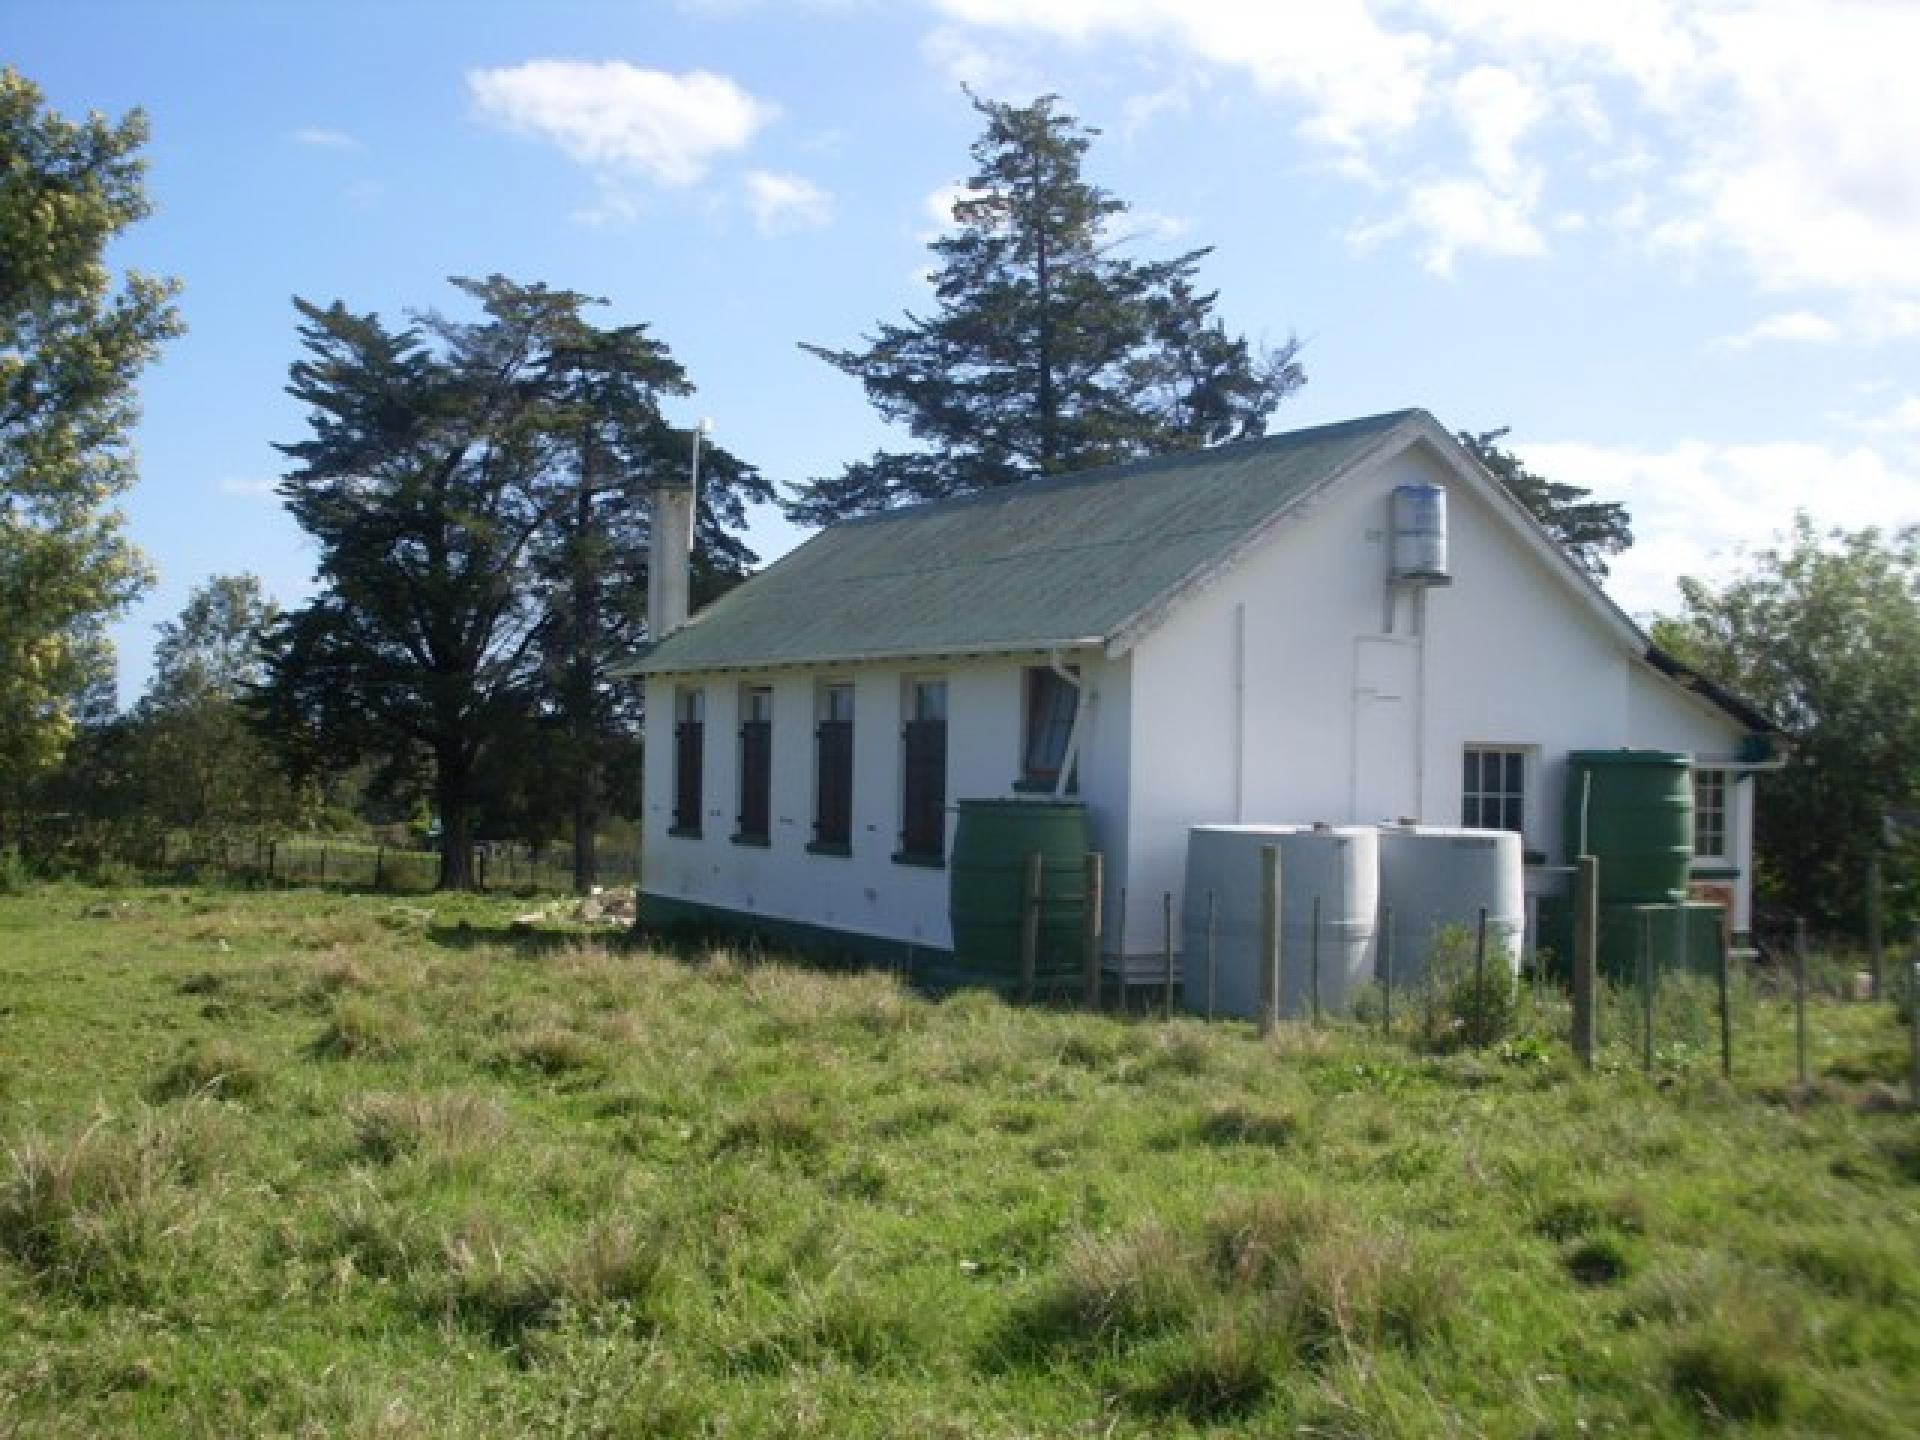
{"x":1329,"y":716}
{"x":867,"y":892}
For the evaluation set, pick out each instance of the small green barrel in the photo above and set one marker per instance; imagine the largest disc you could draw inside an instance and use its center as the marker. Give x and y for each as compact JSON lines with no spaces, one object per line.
{"x":987,"y":877}
{"x":1633,"y":811}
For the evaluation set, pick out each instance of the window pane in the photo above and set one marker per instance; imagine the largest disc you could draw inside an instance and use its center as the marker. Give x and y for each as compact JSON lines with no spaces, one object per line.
{"x":1516,"y":769}
{"x":1470,"y":783}
{"x":1513,"y":817}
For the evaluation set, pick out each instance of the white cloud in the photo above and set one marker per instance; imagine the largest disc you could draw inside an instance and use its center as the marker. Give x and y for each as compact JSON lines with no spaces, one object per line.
{"x":318,"y":137}
{"x":1902,"y":418}
{"x":1778,"y":132}
{"x":1803,"y":326}
{"x":786,"y":202}
{"x":1496,"y":108}
{"x":1358,"y":80}
{"x":248,"y":487}
{"x":622,"y":119}
{"x":1697,"y":506}
{"x":1459,"y":215}
{"x":960,"y":59}
{"x":940,"y":202}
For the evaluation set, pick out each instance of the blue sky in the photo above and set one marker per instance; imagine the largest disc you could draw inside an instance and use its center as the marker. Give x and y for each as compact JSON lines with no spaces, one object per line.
{"x":1674,"y":244}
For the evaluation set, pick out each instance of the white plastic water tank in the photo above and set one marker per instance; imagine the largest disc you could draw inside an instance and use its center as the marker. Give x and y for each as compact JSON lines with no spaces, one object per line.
{"x":1419,"y":551}
{"x":1340,"y":864}
{"x":1437,"y":876}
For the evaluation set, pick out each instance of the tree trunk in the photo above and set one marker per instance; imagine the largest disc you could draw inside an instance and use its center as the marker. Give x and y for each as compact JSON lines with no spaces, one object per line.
{"x":580,"y":684}
{"x":456,"y":823}
{"x":586,"y":866}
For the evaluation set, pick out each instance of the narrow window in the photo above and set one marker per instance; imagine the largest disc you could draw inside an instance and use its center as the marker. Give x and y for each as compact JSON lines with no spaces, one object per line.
{"x":923,"y":786}
{"x":833,"y":771}
{"x":689,"y":715}
{"x":1494,"y":790}
{"x":1710,"y":814}
{"x":1050,"y":706}
{"x":756,"y":765}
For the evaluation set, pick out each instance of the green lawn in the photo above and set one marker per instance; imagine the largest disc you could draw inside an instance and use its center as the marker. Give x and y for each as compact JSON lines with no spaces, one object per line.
{"x":333,"y":1165}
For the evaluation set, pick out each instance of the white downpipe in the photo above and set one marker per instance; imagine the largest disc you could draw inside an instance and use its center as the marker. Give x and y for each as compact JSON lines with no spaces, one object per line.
{"x":1072,"y":756}
{"x":1239,"y":714}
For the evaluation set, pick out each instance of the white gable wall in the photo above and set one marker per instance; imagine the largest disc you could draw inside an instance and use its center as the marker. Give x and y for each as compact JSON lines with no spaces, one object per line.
{"x":1326,"y":715}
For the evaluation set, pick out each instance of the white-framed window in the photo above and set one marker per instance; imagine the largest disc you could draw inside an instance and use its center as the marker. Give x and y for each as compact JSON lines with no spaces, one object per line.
{"x":1049,"y":708}
{"x":1709,"y":814}
{"x":1493,"y":791}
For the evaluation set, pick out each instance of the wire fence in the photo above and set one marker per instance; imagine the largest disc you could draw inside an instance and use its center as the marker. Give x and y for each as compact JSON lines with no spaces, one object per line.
{"x":364,"y":865}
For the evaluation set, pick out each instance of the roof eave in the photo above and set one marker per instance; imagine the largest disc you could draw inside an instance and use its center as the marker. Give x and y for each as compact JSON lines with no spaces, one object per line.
{"x":641,"y":669}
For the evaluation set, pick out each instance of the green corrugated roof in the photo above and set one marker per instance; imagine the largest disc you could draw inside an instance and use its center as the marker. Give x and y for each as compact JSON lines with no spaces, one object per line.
{"x":1064,"y":561}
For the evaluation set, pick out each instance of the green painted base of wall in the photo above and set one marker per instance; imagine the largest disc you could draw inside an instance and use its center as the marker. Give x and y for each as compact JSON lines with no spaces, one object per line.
{"x":689,"y":920}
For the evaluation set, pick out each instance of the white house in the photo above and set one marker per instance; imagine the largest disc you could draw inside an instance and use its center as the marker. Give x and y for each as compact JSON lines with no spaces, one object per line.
{"x":1207,"y":637}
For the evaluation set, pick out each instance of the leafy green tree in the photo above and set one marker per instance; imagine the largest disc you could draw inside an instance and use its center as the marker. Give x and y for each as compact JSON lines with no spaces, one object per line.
{"x":73,"y":341}
{"x":472,"y":549}
{"x":1589,"y":530}
{"x":1049,"y":350}
{"x":1823,"y":632}
{"x":198,"y":763}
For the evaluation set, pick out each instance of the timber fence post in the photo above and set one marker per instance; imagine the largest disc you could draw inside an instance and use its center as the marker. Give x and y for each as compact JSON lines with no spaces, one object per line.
{"x":1090,"y":926}
{"x":1586,"y":920}
{"x":1166,"y":947}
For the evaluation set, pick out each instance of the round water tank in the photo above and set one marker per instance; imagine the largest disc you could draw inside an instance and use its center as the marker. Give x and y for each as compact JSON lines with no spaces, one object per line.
{"x":987,"y":887}
{"x":1339,"y":864}
{"x":1438,"y":878}
{"x":1419,"y":534}
{"x":1633,"y":811}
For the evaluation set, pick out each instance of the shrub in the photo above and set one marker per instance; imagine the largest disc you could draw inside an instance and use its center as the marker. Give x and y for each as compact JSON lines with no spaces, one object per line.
{"x":1458,"y":1006}
{"x":15,"y":874}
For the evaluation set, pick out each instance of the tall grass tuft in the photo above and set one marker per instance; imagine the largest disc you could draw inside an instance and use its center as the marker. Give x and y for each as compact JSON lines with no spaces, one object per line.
{"x":1224,"y":1370}
{"x":1110,"y":1291}
{"x":361,"y":1029}
{"x":452,"y":1126}
{"x":108,"y":1214}
{"x":216,"y":1067}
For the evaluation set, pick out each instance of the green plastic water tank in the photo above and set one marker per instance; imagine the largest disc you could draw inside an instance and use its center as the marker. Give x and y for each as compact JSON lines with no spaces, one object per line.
{"x":987,"y":882}
{"x":1633,"y":811}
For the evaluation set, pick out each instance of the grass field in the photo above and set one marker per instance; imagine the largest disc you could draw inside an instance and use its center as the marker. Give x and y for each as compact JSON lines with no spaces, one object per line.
{"x":330,"y":1165}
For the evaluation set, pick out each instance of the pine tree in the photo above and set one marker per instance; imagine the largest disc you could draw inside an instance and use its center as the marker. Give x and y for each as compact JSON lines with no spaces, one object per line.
{"x":478,"y":492}
{"x":1589,"y":530}
{"x":1049,"y":350}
